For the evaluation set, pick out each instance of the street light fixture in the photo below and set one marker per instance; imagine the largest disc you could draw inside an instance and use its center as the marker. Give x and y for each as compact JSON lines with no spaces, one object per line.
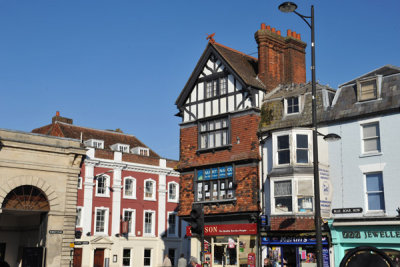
{"x":287,"y":7}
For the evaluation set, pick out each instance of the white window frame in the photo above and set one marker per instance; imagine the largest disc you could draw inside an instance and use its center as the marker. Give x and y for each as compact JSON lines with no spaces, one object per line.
{"x":153,"y":197}
{"x":175,"y":234}
{"x":151,"y":256}
{"x":176,"y":199}
{"x":80,"y":180}
{"x":368,"y":211}
{"x":378,"y":83}
{"x":133,"y":221}
{"x":153,"y":223}
{"x":365,"y":123}
{"x":295,"y":195}
{"x":292,"y":147}
{"x":130,"y":256}
{"x":80,"y":224}
{"x":96,"y":143}
{"x":106,"y":217}
{"x":286,"y":105}
{"x":107,"y":185}
{"x":133,"y":196}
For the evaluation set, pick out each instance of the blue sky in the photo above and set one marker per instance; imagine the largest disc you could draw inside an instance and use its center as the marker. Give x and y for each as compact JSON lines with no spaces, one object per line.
{"x":122,"y":64}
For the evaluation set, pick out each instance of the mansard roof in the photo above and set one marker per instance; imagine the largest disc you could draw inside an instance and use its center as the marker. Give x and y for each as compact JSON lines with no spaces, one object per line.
{"x":273,"y":115}
{"x":242,"y":66}
{"x":110,"y":137}
{"x":346,"y":106}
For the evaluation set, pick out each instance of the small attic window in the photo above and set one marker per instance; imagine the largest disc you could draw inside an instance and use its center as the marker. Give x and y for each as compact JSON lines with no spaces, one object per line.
{"x":120,"y":147}
{"x":142,"y":151}
{"x":99,"y":144}
{"x":292,"y":105}
{"x":369,"y":88}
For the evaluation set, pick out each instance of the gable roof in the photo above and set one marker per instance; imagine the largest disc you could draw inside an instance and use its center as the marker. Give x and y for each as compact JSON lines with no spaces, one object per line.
{"x":242,"y":66}
{"x":62,"y":129}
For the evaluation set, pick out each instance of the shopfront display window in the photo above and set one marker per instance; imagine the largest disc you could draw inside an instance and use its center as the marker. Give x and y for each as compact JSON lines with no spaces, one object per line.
{"x":215,"y":184}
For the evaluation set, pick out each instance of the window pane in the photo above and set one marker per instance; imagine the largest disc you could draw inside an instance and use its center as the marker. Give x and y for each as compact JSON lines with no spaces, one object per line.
{"x":305,"y":204}
{"x":283,"y":204}
{"x":370,"y":130}
{"x":283,"y":188}
{"x":371,"y":145}
{"x":374,"y":182}
{"x":302,"y":140}
{"x":376,"y":201}
{"x":203,"y":140}
{"x":302,"y":156}
{"x":128,"y":187}
{"x":224,"y":137}
{"x":218,"y":124}
{"x":218,"y":138}
{"x":284,"y":157}
{"x":211,"y":140}
{"x":126,"y":257}
{"x":283,"y":142}
{"x":172,"y":191}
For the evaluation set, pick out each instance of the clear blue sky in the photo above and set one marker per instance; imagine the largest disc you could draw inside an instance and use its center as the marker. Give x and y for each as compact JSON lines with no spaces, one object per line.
{"x":122,"y":64}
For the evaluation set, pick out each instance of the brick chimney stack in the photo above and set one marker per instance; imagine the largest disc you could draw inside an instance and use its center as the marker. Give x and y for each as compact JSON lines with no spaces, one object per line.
{"x":57,"y":117}
{"x":281,"y":60}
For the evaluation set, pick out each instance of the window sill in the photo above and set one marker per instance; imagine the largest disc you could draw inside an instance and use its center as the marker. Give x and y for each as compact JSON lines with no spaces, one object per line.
{"x":217,"y":202}
{"x":96,"y":195}
{"x":128,"y":197}
{"x":207,"y":150}
{"x":173,"y":201}
{"x":371,"y":154}
{"x":149,"y":199}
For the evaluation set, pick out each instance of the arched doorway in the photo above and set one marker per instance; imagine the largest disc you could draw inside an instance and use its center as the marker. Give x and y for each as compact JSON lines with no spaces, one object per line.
{"x":23,"y":225}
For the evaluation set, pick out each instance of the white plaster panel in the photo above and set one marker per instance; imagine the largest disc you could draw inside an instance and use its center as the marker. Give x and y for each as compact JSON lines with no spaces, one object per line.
{"x":200,"y":111}
{"x":193,"y":94}
{"x":185,"y":116}
{"x":208,"y":108}
{"x":215,"y":107}
{"x":231,"y":86}
{"x":223,"y":105}
{"x":200,"y":88}
{"x":239,"y":99}
{"x":231,"y":103}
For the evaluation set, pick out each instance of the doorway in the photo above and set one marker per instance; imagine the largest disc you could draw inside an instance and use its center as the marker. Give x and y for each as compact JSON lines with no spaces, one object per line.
{"x":98,"y":258}
{"x":224,"y":255}
{"x":77,"y":257}
{"x":32,"y":257}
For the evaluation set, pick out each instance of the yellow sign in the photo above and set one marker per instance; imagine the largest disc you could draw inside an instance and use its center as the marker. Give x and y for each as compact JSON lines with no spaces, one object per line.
{"x":71,"y":245}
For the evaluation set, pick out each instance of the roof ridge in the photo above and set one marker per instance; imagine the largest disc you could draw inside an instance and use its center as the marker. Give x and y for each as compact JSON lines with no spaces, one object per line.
{"x":234,"y":50}
{"x":106,"y":131}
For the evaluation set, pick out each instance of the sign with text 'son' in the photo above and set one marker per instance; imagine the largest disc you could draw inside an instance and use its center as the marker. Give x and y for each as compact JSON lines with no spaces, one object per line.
{"x":347,"y":210}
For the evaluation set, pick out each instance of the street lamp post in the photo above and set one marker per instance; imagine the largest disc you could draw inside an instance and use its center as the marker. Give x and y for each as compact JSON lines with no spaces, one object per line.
{"x":291,"y":7}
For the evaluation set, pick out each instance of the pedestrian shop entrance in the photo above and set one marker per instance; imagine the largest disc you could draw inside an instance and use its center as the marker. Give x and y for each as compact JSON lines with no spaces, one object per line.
{"x":23,"y":224}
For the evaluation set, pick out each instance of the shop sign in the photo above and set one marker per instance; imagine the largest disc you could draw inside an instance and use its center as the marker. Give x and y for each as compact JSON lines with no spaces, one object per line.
{"x":291,"y":240}
{"x":347,"y":210}
{"x":56,"y":232}
{"x":251,"y":259}
{"x":325,"y":192}
{"x":370,"y":234}
{"x":227,"y":229}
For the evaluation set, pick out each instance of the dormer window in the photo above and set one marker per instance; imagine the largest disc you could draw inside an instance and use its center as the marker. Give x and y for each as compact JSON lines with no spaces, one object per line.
{"x":292,"y":105}
{"x":120,"y":147}
{"x":369,"y":88}
{"x":142,"y":151}
{"x":99,"y":144}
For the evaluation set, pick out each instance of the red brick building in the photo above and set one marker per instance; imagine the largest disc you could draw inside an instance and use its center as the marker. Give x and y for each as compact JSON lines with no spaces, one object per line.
{"x":127,"y":200}
{"x":219,"y":162}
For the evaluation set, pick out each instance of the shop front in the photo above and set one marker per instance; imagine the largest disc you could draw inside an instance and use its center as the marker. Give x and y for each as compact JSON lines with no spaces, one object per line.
{"x":229,"y":245}
{"x":348,"y":234}
{"x":291,"y":251}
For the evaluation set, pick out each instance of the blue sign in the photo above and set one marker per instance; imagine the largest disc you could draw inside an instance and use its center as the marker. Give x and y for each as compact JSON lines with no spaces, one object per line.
{"x":200,"y":175}
{"x":229,"y":171}
{"x":325,"y":257}
{"x":207,"y":174}
{"x":263,"y":220}
{"x":222,"y":172}
{"x":214,"y":173}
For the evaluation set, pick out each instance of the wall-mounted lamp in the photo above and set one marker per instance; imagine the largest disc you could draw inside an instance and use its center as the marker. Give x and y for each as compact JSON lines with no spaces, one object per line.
{"x":237,"y":140}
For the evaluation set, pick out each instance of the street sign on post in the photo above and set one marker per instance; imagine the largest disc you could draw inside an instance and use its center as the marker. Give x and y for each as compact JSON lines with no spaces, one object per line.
{"x":347,"y":210}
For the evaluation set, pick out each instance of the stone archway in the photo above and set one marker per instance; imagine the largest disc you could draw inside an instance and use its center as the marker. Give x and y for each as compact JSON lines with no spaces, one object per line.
{"x":26,"y":198}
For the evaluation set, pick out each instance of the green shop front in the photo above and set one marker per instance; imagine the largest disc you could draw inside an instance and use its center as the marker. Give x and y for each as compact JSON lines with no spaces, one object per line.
{"x":383,"y":234}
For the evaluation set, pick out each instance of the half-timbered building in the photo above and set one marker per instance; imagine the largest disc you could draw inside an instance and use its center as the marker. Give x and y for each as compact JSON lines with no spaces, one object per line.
{"x":219,"y":146}
{"x":127,"y":200}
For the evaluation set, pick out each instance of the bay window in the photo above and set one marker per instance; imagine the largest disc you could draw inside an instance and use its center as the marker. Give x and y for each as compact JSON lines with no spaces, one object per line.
{"x":292,"y":147}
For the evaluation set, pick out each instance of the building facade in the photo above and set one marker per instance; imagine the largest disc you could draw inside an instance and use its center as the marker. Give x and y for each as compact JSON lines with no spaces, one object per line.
{"x":364,"y":164}
{"x":127,"y":201}
{"x":219,"y":162}
{"x":38,"y":192}
{"x":288,"y":174}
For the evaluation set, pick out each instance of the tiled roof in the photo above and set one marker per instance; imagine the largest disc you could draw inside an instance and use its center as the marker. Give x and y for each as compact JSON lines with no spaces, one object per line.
{"x":245,"y":66}
{"x":108,"y":136}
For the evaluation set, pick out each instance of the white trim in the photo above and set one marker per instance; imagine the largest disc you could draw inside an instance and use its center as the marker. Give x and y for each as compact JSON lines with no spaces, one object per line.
{"x":80,"y":208}
{"x":133,"y":221}
{"x":133,"y":196}
{"x":107,"y":186}
{"x":375,"y":167}
{"x":176,"y":224}
{"x":151,"y":257}
{"x":153,"y":223}
{"x":362,"y":123}
{"x":80,"y":180}
{"x":153,"y":196}
{"x":106,"y":217}
{"x":369,"y":212}
{"x":176,"y":199}
{"x":285,"y":106}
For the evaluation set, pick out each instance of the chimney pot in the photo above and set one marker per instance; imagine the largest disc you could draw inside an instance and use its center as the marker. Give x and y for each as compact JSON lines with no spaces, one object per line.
{"x":298,"y":36}
{"x":289,"y":33}
{"x":294,"y":34}
{"x":262,"y":26}
{"x":273,"y":29}
{"x":58,"y":113}
{"x":268,"y":27}
{"x":278,"y":32}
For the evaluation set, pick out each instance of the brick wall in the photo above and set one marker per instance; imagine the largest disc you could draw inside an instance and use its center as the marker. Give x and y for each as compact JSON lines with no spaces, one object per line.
{"x":246,"y":177}
{"x":291,"y":223}
{"x":243,"y":127}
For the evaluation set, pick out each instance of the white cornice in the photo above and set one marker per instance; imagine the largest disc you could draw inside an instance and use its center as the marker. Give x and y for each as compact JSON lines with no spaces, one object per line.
{"x":129,"y":166}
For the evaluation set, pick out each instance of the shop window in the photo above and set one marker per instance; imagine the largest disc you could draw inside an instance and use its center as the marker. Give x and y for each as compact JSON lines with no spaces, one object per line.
{"x":215,"y":184}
